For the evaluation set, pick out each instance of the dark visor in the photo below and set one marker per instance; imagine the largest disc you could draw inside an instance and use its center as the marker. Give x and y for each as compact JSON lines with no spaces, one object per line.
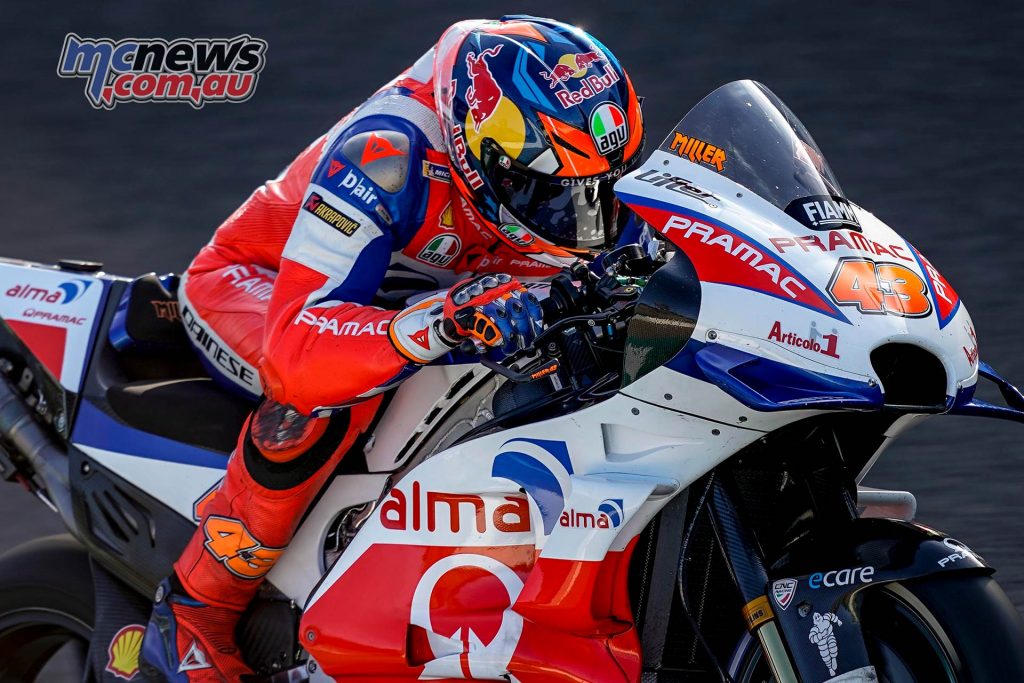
{"x":578,"y":213}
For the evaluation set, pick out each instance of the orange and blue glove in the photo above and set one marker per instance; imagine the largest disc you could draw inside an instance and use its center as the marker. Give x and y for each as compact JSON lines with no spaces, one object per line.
{"x":494,"y":311}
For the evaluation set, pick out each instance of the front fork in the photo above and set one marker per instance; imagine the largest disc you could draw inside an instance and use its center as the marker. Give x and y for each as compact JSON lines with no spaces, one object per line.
{"x":746,"y":566}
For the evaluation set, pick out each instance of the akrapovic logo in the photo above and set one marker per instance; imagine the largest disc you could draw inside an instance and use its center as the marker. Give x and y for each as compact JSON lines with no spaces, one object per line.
{"x":193,"y":70}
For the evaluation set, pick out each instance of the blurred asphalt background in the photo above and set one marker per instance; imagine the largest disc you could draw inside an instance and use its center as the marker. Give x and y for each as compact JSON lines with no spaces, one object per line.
{"x":919,"y":108}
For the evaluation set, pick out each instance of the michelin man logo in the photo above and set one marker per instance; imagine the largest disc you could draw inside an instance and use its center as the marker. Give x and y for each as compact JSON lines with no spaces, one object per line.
{"x":464,"y":603}
{"x":823,"y":635}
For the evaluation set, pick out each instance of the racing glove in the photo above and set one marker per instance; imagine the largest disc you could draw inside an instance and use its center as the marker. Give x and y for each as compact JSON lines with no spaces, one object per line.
{"x":493,"y":311}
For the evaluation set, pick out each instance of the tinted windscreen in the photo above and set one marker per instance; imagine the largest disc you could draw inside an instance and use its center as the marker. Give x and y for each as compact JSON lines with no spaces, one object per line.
{"x":665,"y":317}
{"x":744,"y":132}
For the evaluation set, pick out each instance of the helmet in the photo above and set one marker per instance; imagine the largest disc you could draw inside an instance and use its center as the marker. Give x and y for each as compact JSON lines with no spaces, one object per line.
{"x":540,"y":120}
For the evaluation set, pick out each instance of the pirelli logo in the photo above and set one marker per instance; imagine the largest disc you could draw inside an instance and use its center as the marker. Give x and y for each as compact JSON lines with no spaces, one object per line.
{"x":330,"y":215}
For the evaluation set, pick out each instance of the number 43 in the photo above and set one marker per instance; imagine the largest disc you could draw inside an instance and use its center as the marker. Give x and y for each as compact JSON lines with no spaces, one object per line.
{"x":880,"y":288}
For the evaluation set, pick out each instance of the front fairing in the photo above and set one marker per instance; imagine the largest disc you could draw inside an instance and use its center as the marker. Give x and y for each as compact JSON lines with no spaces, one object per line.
{"x":820,"y":297}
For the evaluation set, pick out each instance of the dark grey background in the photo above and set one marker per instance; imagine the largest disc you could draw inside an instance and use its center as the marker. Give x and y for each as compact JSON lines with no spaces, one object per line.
{"x":919,"y":108}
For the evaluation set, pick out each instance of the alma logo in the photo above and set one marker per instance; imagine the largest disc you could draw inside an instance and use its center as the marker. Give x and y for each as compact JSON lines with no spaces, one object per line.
{"x":422,"y":511}
{"x":609,"y":515}
{"x":65,"y":293}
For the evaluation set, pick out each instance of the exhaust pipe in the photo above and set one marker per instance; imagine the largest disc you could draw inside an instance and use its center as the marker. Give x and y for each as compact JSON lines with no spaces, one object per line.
{"x":22,"y":435}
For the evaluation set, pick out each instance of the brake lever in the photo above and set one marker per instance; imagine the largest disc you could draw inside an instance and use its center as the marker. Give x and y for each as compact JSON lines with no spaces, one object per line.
{"x":548,"y":367}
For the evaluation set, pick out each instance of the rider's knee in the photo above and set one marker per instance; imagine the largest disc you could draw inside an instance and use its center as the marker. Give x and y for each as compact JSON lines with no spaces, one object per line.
{"x":283,"y":448}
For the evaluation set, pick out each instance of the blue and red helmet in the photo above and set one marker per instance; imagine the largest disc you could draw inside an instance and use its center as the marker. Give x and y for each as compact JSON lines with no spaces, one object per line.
{"x":540,"y":120}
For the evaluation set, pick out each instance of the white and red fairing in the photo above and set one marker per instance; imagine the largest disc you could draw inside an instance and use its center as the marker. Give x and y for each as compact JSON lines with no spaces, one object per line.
{"x":54,"y":312}
{"x":506,"y":558}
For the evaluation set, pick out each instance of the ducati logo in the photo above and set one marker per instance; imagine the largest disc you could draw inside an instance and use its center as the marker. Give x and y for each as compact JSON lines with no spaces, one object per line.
{"x":194,"y":659}
{"x":474,"y":643}
{"x":783,"y":591}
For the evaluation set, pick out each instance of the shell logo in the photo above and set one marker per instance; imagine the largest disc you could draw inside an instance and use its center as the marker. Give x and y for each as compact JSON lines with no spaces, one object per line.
{"x":124,"y":651}
{"x":506,"y":126}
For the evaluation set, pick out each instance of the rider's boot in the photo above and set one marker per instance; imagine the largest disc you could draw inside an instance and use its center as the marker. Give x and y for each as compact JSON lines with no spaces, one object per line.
{"x":282,"y":461}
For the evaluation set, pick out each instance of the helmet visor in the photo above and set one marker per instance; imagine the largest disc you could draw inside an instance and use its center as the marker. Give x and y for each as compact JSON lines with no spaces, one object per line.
{"x":575,"y":213}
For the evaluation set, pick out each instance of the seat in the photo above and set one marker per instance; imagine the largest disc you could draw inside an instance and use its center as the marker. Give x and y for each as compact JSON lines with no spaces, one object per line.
{"x":193,"y":410}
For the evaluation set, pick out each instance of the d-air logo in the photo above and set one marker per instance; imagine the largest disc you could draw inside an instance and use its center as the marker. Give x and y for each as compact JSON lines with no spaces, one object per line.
{"x":441,"y":250}
{"x":123,"y":651}
{"x":357,"y":189}
{"x":783,"y":591}
{"x":64,"y":294}
{"x":608,"y":128}
{"x":484,"y":637}
{"x":541,"y":468}
{"x":435,"y":511}
{"x":330,"y":215}
{"x":698,"y":151}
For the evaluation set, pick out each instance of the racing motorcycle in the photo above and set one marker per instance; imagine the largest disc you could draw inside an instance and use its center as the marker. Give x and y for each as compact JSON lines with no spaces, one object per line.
{"x":663,"y":487}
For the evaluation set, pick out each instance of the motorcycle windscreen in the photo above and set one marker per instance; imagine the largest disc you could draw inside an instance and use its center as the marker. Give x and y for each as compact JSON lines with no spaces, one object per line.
{"x":744,"y":132}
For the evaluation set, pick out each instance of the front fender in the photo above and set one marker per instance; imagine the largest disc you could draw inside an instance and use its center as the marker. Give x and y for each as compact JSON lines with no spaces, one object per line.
{"x":813,"y":588}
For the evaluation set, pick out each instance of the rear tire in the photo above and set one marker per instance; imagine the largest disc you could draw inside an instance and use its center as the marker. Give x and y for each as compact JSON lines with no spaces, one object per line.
{"x":956,"y":628}
{"x":47,"y":611}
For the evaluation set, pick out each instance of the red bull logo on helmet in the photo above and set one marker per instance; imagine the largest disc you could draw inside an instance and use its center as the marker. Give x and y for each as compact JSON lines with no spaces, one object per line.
{"x":483,"y":93}
{"x":571,"y":66}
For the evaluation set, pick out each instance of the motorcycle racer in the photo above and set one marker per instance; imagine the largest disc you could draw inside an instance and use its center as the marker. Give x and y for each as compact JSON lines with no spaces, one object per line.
{"x":487,"y":163}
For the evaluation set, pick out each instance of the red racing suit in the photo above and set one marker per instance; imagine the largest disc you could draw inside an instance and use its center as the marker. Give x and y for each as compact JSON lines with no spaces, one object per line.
{"x":293,"y":295}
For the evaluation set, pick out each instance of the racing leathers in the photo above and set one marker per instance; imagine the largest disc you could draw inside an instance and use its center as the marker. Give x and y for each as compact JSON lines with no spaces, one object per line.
{"x":303,"y":296}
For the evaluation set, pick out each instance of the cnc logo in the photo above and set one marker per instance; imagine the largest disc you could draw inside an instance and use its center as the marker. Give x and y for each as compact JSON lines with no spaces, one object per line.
{"x":193,"y":70}
{"x":463,"y":602}
{"x":783,"y":591}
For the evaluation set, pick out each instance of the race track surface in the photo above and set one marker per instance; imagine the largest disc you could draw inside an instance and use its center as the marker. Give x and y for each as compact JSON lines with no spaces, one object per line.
{"x":918,"y":108}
